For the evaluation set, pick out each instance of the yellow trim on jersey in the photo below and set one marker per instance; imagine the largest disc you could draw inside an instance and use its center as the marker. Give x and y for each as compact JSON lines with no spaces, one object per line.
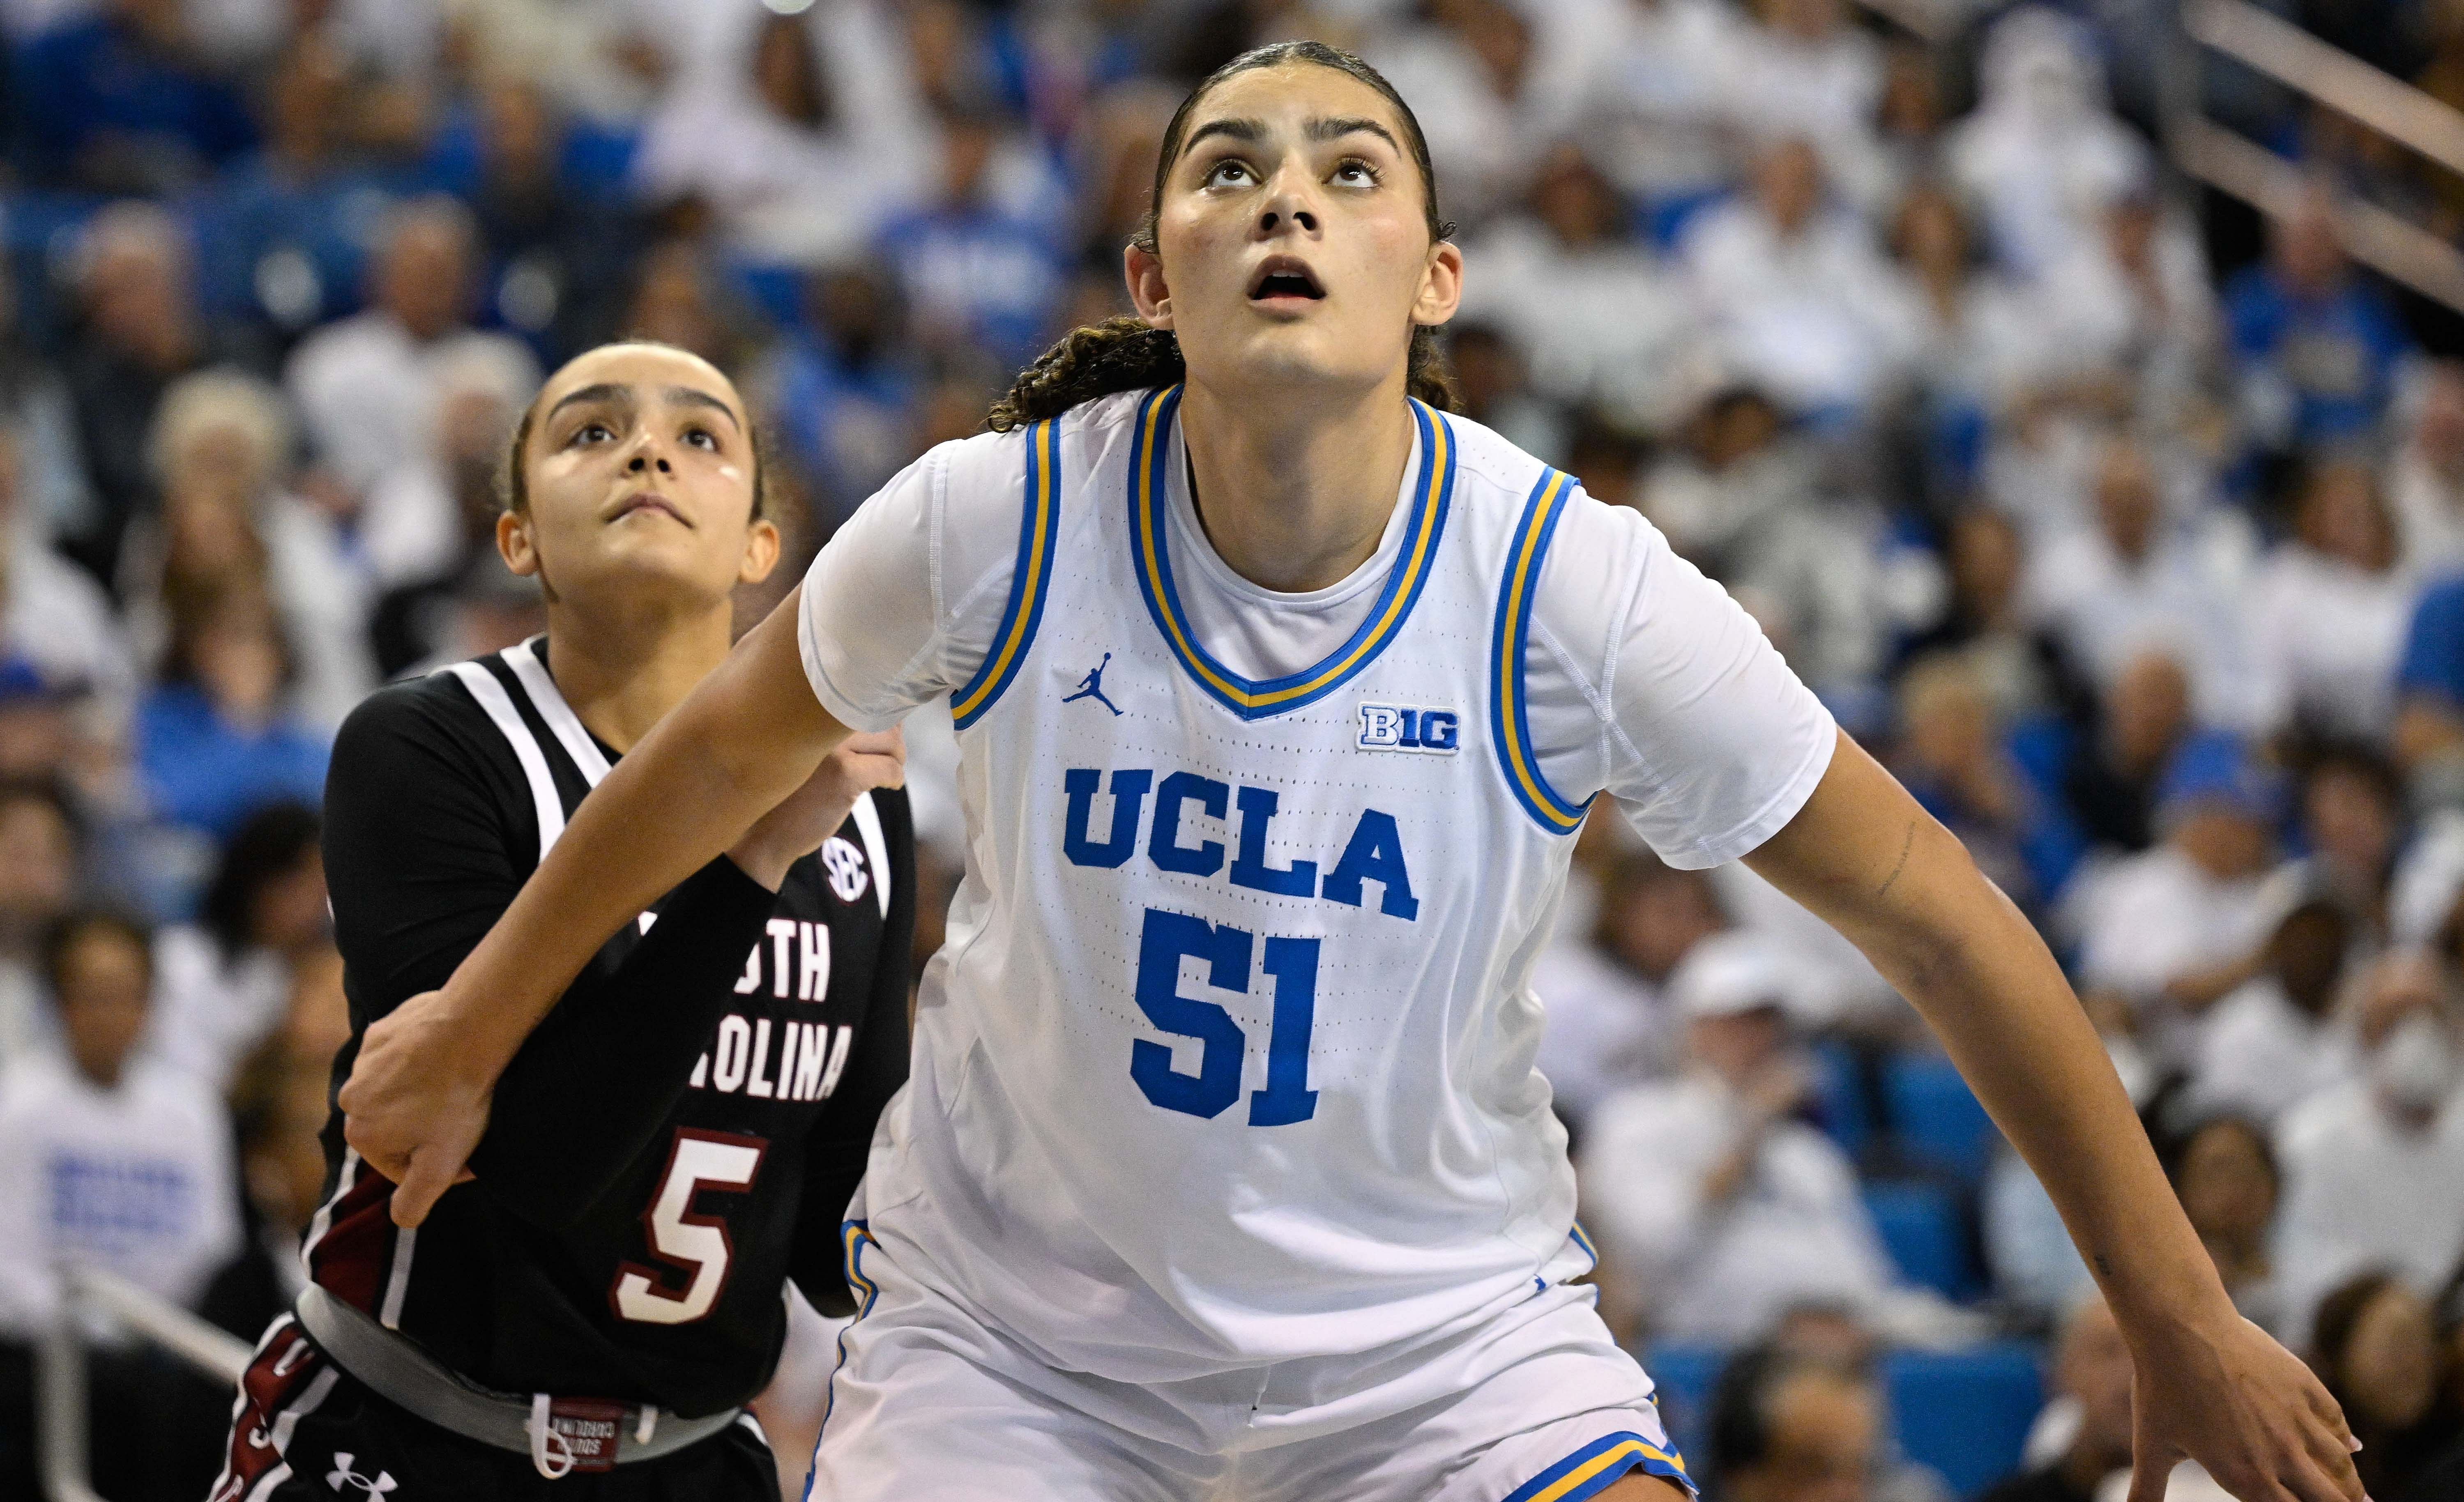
{"x":1514,"y":611}
{"x":1404,"y":587}
{"x":1033,"y":577}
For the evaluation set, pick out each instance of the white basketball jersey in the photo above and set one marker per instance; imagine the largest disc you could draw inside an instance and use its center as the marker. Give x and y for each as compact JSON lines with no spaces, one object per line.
{"x":1228,"y":1056}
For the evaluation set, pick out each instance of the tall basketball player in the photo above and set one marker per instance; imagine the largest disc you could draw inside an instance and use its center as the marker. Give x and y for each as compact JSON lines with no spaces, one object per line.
{"x":681,"y":1138}
{"x":1224,"y":1166}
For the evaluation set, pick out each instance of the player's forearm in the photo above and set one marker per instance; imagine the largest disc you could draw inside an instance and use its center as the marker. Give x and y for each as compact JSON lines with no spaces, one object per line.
{"x":1891,"y":879}
{"x":745,"y":738}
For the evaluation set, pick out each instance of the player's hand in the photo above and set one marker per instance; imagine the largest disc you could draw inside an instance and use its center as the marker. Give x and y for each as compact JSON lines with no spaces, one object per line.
{"x":2243,"y":1406}
{"x":416,"y":1104}
{"x":814,"y":812}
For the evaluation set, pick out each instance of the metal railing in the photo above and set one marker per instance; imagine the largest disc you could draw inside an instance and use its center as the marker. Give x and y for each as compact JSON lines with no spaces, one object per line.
{"x":60,"y":1389}
{"x":2387,"y":242}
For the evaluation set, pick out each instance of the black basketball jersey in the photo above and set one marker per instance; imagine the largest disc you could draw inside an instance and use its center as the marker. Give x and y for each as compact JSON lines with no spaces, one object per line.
{"x":683,"y":1132}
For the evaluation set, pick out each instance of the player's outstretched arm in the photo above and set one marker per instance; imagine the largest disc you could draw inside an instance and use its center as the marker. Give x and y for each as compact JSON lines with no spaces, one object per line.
{"x":745,"y":739}
{"x":2210,"y":1386}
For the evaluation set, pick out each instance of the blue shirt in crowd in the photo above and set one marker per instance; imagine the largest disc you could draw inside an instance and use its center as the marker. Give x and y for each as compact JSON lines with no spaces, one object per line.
{"x":207,"y":773}
{"x":2336,"y":352}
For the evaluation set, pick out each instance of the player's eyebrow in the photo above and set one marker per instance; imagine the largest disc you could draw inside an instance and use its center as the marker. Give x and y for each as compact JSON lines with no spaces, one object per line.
{"x":604,"y":391}
{"x":1238,"y":128}
{"x":689,"y":396}
{"x":1334,"y":129}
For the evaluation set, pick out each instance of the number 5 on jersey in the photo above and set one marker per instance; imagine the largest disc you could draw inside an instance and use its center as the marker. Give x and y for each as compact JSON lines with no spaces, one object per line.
{"x":1164,"y":941}
{"x":684,"y":1238}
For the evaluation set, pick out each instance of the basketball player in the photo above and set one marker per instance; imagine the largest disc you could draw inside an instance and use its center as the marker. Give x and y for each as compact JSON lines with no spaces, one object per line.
{"x":683,"y":1134}
{"x":1225,"y":1169}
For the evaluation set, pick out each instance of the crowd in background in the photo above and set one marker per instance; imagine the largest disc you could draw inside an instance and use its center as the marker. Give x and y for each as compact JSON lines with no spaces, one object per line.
{"x":2128,"y":527}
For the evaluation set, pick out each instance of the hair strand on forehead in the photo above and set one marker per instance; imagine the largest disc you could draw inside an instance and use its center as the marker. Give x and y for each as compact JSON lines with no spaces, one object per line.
{"x":1127,"y":354}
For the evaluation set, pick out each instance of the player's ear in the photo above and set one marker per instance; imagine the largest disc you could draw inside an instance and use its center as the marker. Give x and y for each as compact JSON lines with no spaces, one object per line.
{"x":513,"y":542}
{"x":1440,"y":286}
{"x":761,"y":552}
{"x":1143,"y":270}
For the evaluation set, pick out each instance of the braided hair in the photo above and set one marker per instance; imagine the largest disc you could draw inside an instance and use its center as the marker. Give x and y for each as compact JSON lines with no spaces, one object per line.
{"x":1127,"y":354}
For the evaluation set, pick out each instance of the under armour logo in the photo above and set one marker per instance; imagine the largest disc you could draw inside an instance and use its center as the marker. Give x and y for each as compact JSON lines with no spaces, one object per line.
{"x":342,"y":1475}
{"x":1092,"y":686}
{"x":845,"y":864}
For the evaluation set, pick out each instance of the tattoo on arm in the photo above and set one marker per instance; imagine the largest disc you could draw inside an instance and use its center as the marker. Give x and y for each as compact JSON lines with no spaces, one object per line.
{"x":2104,"y":1268}
{"x":1907,"y":842}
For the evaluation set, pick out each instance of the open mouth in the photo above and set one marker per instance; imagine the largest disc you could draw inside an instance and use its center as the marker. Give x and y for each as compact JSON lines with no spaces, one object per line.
{"x":1285,"y":276}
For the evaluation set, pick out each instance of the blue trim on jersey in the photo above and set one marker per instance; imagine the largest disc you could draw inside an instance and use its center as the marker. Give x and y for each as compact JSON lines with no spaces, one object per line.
{"x":1585,"y":1242}
{"x":1039,"y":532}
{"x":1151,"y":556}
{"x":854,"y":1236}
{"x":1509,"y":718}
{"x":1589,"y":1470}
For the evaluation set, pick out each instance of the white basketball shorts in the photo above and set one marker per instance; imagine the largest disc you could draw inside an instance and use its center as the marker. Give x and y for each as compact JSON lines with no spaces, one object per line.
{"x":1536,"y":1405}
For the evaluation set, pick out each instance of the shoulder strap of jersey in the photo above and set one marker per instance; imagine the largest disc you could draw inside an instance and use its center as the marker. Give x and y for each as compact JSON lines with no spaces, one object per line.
{"x":1039,"y":530}
{"x":489,"y":692}
{"x":1510,"y":636}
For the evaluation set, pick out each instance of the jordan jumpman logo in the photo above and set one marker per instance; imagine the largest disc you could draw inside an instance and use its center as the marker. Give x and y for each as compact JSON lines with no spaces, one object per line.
{"x":1092,"y":686}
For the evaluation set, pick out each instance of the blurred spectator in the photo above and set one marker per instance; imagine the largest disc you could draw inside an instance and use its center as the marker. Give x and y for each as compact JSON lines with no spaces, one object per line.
{"x":226,"y":980}
{"x":1706,"y":1192}
{"x":106,"y":1156}
{"x":2173,"y":928}
{"x":1609,"y":1024}
{"x":366,"y":385}
{"x":282,"y":232}
{"x":119,"y":101}
{"x":789,"y":164}
{"x":977,"y":274}
{"x":142,"y":331}
{"x":2130,"y":581}
{"x":1974,"y":333}
{"x":1801,"y":298}
{"x":2226,"y":1177}
{"x":1600,"y":321}
{"x":1655,"y":107}
{"x":1954,"y":763}
{"x":1793,"y":1428}
{"x":2042,"y":154}
{"x":37,"y":409}
{"x":2091,"y":1381}
{"x":2328,"y":609}
{"x":214,"y":742}
{"x":2131,"y":305}
{"x":554,"y":256}
{"x":1807,"y":71}
{"x":425,"y":518}
{"x":2272,"y":1043}
{"x":1493,"y":83}
{"x":2317,"y":347}
{"x":53,"y":617}
{"x":2374,"y":1169}
{"x":2375,"y":1349}
{"x":222,"y":448}
{"x":2426,"y":480}
{"x":841,"y":387}
{"x":1982,"y":627}
{"x":1493,"y":379}
{"x":38,"y":881}
{"x":282,"y":1165}
{"x":679,"y":296}
{"x":2352,"y":820}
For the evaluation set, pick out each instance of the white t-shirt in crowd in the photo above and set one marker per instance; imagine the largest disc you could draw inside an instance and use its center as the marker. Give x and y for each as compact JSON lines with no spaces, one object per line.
{"x":136,"y":1181}
{"x":2260,"y":1055}
{"x":1796,"y":1230}
{"x":2363,"y":1192}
